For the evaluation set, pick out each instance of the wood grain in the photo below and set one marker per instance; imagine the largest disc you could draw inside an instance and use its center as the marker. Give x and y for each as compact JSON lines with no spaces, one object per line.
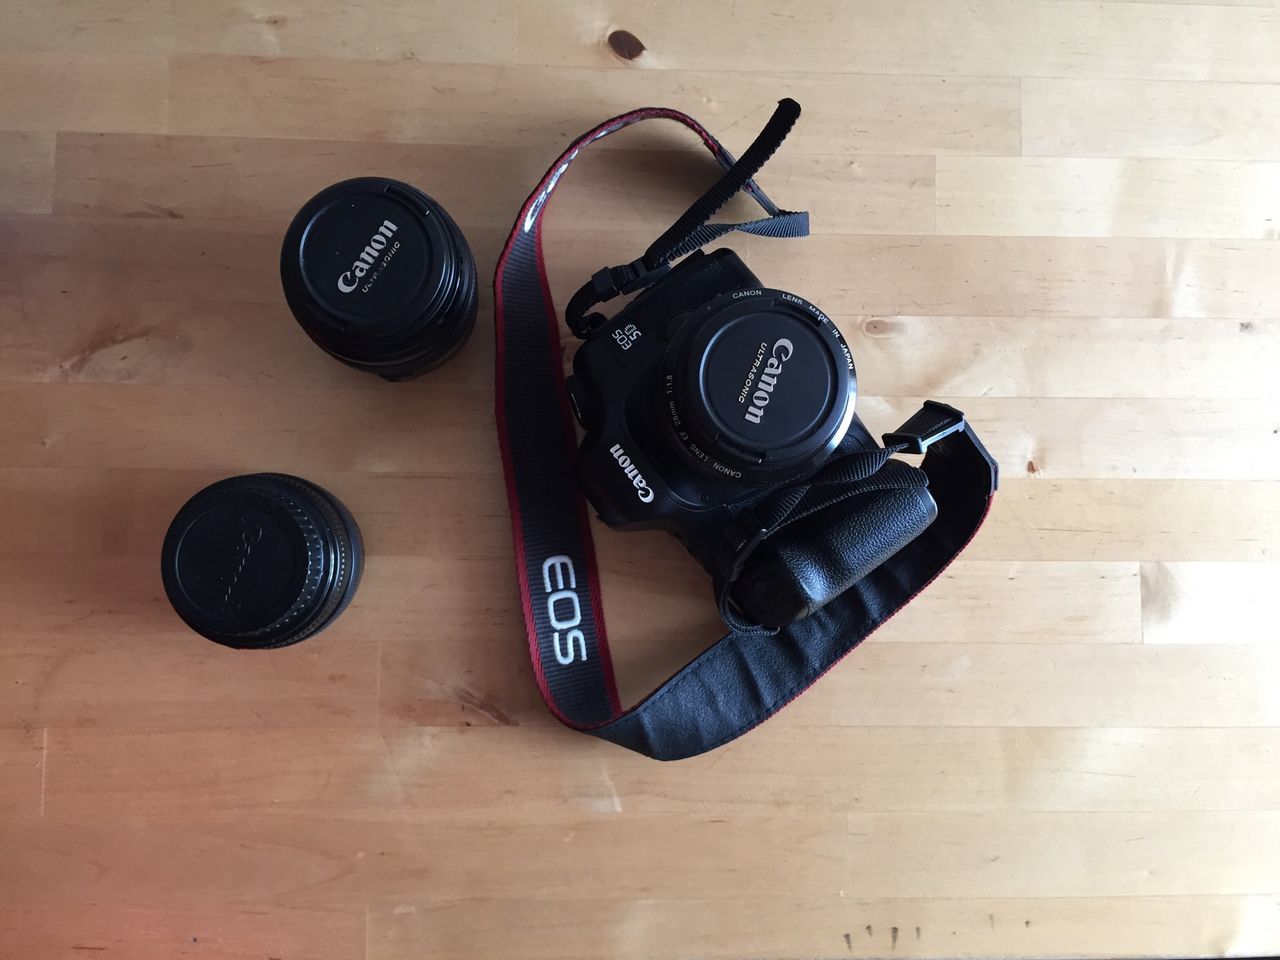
{"x":212,"y":931}
{"x":1140,"y":119}
{"x":830,"y":927}
{"x":493,"y":105}
{"x":246,"y":178}
{"x":90,"y":91}
{"x":1058,"y":38}
{"x":26,"y":165}
{"x":1034,"y":196}
{"x":22,"y":754}
{"x":1058,"y":215}
{"x":466,"y":773}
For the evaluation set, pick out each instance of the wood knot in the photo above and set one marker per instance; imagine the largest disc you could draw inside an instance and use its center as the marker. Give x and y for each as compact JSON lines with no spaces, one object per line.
{"x":625,"y":44}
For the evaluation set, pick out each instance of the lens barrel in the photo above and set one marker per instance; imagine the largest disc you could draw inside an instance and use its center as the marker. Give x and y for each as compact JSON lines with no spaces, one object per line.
{"x":261,"y":561}
{"x":760,"y":386}
{"x":380,"y":277}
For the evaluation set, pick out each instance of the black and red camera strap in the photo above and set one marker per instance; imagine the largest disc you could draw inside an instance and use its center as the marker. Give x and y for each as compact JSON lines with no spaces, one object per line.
{"x":745,"y":677}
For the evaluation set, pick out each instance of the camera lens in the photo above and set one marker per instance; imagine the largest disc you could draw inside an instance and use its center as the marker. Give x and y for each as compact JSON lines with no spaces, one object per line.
{"x":261,"y":561}
{"x":760,"y":386}
{"x":380,"y":276}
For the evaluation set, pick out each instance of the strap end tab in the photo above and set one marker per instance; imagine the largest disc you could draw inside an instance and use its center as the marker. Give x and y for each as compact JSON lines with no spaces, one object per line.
{"x":926,"y":427}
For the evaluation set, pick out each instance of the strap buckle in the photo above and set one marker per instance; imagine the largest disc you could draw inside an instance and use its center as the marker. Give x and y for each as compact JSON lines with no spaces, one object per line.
{"x":926,"y":427}
{"x":739,"y":540}
{"x":626,"y":278}
{"x":604,"y":285}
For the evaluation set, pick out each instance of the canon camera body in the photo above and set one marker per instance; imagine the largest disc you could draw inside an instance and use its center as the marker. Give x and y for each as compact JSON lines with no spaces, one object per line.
{"x":710,"y":391}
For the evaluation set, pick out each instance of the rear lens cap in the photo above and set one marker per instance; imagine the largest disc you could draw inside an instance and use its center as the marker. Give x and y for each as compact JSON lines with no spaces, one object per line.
{"x":379,"y":275}
{"x":261,"y":561}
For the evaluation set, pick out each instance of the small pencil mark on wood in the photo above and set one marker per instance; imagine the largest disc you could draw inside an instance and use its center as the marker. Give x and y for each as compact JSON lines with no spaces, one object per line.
{"x":625,"y":44}
{"x":848,"y":943}
{"x":1246,"y":326}
{"x":893,"y":938}
{"x":1026,"y":923}
{"x":917,"y":933}
{"x":870,"y":932}
{"x":991,"y":919}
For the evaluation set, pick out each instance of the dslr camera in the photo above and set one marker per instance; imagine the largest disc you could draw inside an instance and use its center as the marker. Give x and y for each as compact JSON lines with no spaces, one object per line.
{"x":707,"y":393}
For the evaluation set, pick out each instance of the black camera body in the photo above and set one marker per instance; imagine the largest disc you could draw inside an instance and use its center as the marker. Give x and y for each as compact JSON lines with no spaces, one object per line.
{"x":704,"y":394}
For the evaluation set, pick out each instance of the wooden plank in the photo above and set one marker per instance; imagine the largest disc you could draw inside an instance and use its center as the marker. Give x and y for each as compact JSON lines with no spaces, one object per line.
{"x":1063,"y":356}
{"x":1047,"y":603}
{"x":115,"y":512}
{"x":880,"y":684}
{"x":221,"y":261}
{"x":1209,"y":603}
{"x":179,"y":342}
{"x":307,"y":861}
{"x":402,"y":430}
{"x":1133,"y":118}
{"x":783,"y":928}
{"x":498,"y":775}
{"x":1034,"y":196}
{"x":142,"y":259}
{"x":495,"y":105}
{"x":1067,"y":38}
{"x":437,"y":30}
{"x":88,"y":91}
{"x":971,"y":276}
{"x":1131,"y":520}
{"x":123,"y":341}
{"x":54,"y":597}
{"x":1109,"y":439}
{"x":990,"y":854}
{"x":243,"y":178}
{"x":22,"y":754}
{"x":889,"y":684}
{"x":26,"y":172}
{"x":108,"y":651}
{"x":211,"y":931}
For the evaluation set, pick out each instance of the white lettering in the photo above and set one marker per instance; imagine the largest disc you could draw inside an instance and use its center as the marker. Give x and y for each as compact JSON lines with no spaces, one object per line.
{"x":367,"y":257}
{"x":559,"y":563}
{"x":564,"y":623}
{"x":782,"y":351}
{"x":632,"y":472}
{"x":560,"y":580}
{"x":566,"y":657}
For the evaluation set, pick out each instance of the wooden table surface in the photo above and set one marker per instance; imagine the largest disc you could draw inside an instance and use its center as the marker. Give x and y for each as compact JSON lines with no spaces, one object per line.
{"x":1061,"y":216}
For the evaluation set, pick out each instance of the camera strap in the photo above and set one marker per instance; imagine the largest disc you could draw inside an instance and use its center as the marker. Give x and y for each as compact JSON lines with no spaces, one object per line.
{"x":746,"y":676}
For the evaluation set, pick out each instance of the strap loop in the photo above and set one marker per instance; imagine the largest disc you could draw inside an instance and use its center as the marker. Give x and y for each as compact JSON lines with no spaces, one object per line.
{"x":691,"y":230}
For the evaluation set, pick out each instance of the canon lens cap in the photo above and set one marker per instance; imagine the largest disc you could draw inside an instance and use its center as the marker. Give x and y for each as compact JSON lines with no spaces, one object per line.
{"x":763,"y":385}
{"x":379,"y":275}
{"x":260,"y":561}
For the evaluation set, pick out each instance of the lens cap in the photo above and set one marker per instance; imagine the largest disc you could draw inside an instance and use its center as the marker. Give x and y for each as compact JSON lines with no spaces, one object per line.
{"x":763,"y":386}
{"x":261,"y":561}
{"x":379,"y":275}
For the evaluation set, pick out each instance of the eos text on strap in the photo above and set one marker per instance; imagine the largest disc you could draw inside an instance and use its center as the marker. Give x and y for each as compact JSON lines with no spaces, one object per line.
{"x":723,"y":411}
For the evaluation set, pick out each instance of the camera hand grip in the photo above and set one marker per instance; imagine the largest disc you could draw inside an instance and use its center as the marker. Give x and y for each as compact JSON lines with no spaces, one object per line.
{"x":812,"y":562}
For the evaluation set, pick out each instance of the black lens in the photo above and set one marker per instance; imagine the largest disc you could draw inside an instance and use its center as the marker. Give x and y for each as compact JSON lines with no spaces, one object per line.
{"x":760,"y":386}
{"x":261,"y":561}
{"x":380,"y":276}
